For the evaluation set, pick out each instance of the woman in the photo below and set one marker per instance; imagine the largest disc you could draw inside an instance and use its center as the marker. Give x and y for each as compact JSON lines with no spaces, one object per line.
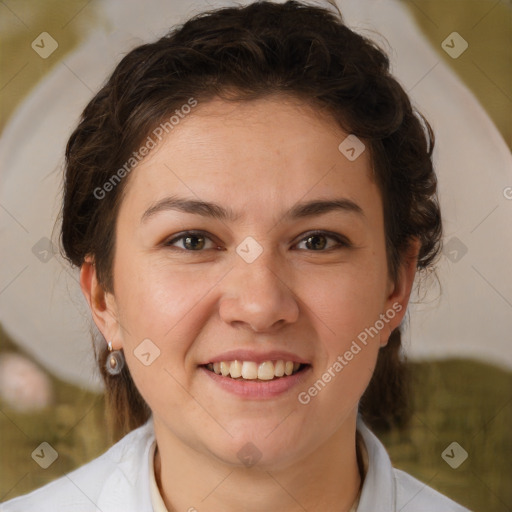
{"x":249,"y":200}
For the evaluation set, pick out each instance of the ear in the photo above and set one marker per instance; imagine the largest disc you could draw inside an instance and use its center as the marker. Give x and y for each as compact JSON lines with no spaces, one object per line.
{"x":399,"y":291}
{"x":101,"y":302}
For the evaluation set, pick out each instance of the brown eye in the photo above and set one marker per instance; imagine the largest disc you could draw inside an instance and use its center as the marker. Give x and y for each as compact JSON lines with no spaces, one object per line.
{"x":190,"y":242}
{"x":194,"y":242}
{"x":318,"y":241}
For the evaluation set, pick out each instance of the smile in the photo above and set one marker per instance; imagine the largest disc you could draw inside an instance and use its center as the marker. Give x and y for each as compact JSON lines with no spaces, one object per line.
{"x":250,"y":370}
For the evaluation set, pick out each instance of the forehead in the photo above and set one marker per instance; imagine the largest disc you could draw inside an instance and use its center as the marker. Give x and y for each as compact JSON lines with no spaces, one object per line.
{"x":259,"y":154}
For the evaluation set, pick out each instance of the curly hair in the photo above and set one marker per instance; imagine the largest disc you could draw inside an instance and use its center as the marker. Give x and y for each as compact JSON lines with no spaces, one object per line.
{"x":241,"y":54}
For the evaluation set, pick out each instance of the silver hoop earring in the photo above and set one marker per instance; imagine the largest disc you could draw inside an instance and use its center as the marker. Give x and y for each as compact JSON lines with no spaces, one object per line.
{"x":115,"y":361}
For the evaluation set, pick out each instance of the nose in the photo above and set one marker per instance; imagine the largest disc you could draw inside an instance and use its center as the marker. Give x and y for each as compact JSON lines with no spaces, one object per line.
{"x":259,"y":295}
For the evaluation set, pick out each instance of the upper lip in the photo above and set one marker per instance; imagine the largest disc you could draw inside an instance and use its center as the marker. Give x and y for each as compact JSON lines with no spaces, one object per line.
{"x":257,"y":357}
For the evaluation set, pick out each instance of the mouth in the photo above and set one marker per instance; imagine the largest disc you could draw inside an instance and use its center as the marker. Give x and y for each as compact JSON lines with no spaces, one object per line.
{"x":257,"y":372}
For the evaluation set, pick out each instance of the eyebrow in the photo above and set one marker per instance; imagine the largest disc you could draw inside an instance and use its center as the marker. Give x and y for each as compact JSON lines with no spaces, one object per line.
{"x":208,"y":209}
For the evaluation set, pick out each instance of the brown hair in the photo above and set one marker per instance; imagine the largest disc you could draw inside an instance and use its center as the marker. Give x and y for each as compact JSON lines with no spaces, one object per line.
{"x":240,"y":54}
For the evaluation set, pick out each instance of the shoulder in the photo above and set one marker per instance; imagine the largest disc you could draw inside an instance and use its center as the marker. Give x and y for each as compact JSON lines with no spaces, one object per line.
{"x":412,"y":495}
{"x":81,"y":490}
{"x":389,"y":489}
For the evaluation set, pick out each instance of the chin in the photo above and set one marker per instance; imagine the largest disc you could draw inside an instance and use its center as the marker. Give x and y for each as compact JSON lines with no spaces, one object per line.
{"x":265,"y":448}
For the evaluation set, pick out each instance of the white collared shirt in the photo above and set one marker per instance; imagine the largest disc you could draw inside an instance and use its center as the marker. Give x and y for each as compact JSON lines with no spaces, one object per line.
{"x":119,"y":481}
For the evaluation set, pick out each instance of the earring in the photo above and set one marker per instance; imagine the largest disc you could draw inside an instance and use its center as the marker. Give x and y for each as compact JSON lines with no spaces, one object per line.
{"x":115,"y":361}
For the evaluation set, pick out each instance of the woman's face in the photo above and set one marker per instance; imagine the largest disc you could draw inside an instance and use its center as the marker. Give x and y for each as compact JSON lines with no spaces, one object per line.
{"x":266,"y":276}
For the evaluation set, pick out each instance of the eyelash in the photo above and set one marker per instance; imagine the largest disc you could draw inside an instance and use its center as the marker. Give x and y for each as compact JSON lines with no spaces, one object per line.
{"x":342,"y":241}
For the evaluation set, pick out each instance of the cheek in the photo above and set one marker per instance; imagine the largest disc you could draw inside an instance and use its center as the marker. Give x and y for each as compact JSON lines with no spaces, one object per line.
{"x":161,"y":311}
{"x":155,"y":299}
{"x":347,"y":299}
{"x":347,"y":306}
{"x":169,"y":306}
{"x":346,"y":310}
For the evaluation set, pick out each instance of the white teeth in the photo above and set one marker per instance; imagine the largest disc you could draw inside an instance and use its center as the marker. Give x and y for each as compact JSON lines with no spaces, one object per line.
{"x":236,"y":369}
{"x":250,"y":370}
{"x":279,"y":368}
{"x":224,"y":368}
{"x":266,"y":370}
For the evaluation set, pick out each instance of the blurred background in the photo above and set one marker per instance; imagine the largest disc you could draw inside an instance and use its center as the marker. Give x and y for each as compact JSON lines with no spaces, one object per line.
{"x":454,"y":57}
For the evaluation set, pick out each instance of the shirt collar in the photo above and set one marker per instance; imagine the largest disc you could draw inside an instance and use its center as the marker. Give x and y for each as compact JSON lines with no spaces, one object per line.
{"x":156,"y":498}
{"x":378,"y":492}
{"x":127,"y":488}
{"x":131,"y":483}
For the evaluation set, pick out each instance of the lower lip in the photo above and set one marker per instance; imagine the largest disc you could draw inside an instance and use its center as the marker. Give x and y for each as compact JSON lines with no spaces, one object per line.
{"x":258,"y":389}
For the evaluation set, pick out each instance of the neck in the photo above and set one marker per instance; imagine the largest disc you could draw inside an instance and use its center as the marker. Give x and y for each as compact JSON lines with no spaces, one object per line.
{"x":326,"y":479}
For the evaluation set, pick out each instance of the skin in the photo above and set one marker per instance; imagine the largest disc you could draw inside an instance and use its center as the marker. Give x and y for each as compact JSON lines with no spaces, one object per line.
{"x":259,"y":158}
